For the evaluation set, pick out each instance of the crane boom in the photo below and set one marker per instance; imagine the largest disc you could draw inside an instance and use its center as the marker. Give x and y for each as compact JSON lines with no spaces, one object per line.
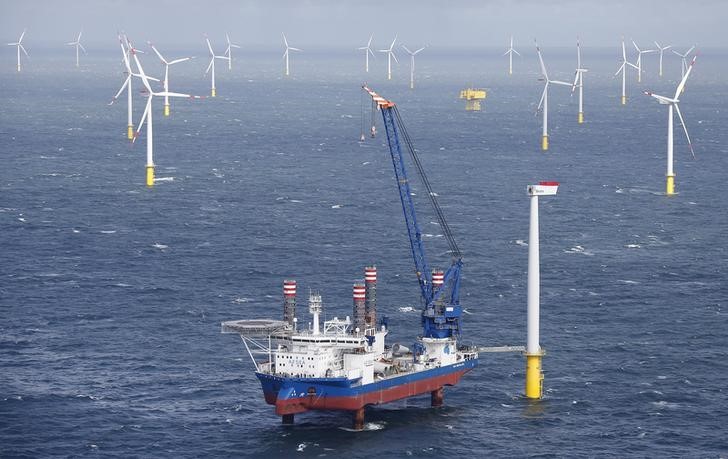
{"x":441,"y":314}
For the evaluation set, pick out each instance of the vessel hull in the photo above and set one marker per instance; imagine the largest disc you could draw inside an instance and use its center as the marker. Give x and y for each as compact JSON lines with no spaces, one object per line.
{"x":297,"y":395}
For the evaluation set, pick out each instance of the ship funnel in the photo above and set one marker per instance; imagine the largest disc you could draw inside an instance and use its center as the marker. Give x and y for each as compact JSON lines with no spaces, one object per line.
{"x":398,"y":349}
{"x":289,"y":301}
{"x":370,"y":282}
{"x":438,"y":278}
{"x":359,"y":295}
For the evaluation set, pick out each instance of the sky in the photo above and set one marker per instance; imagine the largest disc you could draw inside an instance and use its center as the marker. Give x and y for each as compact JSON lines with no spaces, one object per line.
{"x":341,"y":24}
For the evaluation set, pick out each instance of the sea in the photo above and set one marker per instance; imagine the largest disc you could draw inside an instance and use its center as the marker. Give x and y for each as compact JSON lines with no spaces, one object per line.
{"x":112,"y":292}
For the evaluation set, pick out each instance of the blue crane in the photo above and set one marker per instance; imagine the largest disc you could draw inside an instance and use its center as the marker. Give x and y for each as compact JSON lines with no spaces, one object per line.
{"x":441,"y":312}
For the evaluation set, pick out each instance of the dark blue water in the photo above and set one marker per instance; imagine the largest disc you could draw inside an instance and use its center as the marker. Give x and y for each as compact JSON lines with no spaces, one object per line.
{"x":112,"y":293}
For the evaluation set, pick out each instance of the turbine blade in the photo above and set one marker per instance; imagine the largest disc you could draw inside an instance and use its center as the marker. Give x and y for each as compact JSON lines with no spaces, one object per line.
{"x":392,"y":45}
{"x":516,"y":52}
{"x":621,"y":68}
{"x":144,"y":118}
{"x":284,"y":39}
{"x":123,"y":86}
{"x":406,"y":49}
{"x":177,"y":61}
{"x":158,"y":53}
{"x":540,"y":60}
{"x":82,"y":48}
{"x":685,"y":78}
{"x":689,"y":51}
{"x":421,"y":49}
{"x":175,"y":94}
{"x":543,"y":94}
{"x":394,"y":56}
{"x":145,"y":80}
{"x":21,"y":47}
{"x":685,"y":129}
{"x":636,"y":47}
{"x":295,"y":49}
{"x":20,"y":40}
{"x":209,"y":46}
{"x":209,"y":65}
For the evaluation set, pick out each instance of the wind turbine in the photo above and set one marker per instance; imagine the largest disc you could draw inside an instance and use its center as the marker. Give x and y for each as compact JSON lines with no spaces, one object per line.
{"x":166,"y":74}
{"x":510,"y":52}
{"x":412,"y":64}
{"x":545,"y":100}
{"x":19,"y":44}
{"x":368,"y":51}
{"x":211,"y":65}
{"x":579,"y":82}
{"x":77,"y":44}
{"x":684,"y":57}
{"x":640,"y":52}
{"x":661,"y":50}
{"x":228,"y":51}
{"x":623,"y":70}
{"x":126,"y":48}
{"x":147,"y":115}
{"x":673,"y":102}
{"x":285,"y":53}
{"x":390,"y":55}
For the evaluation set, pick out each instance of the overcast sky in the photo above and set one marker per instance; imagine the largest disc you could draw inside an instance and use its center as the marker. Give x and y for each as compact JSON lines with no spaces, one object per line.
{"x":345,"y":24}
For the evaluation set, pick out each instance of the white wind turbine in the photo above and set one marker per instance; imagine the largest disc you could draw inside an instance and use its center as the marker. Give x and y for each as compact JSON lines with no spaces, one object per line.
{"x":510,"y":52}
{"x":661,"y":50}
{"x":77,"y":44}
{"x":367,"y":52}
{"x":623,"y":70}
{"x":390,"y":55}
{"x":147,"y":115}
{"x":126,"y":48}
{"x":640,"y":52}
{"x":211,"y":65}
{"x":166,"y":74}
{"x":285,"y":53}
{"x":19,"y":44}
{"x":579,"y":81}
{"x":412,"y":64}
{"x":545,"y":99}
{"x":673,"y":102}
{"x":229,"y":52}
{"x":684,"y":57}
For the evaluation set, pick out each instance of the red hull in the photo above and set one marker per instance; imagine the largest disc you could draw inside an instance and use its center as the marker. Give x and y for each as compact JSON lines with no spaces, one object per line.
{"x":312,"y":402}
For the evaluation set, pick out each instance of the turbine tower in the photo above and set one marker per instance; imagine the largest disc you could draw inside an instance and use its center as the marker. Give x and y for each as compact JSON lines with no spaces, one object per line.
{"x":166,"y":74}
{"x":640,"y":52}
{"x":229,"y":52}
{"x":19,"y":44}
{"x":545,"y":100}
{"x":286,"y":53}
{"x":579,"y":81}
{"x":147,"y":116}
{"x":534,"y":352}
{"x":510,"y":52}
{"x":672,"y":103}
{"x":367,"y":51}
{"x":78,"y":45}
{"x":390,"y":55}
{"x":412,"y":64}
{"x":684,"y":57}
{"x":661,"y":50}
{"x":623,"y":71}
{"x":211,"y":66}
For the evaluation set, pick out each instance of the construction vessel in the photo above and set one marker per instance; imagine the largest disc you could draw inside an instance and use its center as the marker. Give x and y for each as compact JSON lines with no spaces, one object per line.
{"x":472,"y":98}
{"x":346,"y":364}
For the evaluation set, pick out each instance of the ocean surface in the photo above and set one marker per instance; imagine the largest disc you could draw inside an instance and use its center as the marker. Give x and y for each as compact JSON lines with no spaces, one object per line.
{"x":112,"y":293}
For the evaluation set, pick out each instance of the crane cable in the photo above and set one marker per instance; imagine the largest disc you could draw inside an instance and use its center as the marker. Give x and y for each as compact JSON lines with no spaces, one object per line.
{"x":454,"y":249}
